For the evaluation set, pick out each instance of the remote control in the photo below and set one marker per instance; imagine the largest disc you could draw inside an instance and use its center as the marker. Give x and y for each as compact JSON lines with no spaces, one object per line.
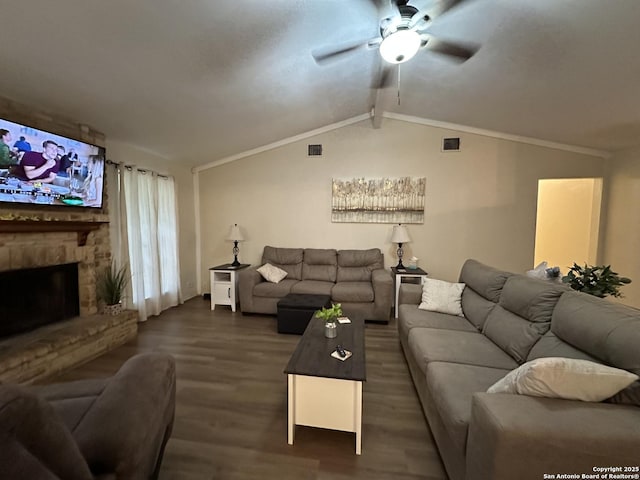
{"x":341,"y":351}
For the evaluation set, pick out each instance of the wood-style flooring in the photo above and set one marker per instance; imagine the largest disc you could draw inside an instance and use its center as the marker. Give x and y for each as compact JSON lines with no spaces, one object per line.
{"x":231,"y":411}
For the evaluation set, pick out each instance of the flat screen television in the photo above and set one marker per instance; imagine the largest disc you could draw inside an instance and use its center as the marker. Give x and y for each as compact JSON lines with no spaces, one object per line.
{"x":43,"y":168}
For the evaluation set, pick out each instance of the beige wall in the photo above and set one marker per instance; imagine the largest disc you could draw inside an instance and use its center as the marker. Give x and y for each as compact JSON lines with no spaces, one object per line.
{"x":568,"y":221}
{"x":129,"y":155}
{"x":622,"y":226}
{"x":481,"y":201}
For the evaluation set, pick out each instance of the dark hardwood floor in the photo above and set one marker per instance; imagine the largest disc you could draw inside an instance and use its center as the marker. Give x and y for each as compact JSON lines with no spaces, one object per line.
{"x":231,"y":412}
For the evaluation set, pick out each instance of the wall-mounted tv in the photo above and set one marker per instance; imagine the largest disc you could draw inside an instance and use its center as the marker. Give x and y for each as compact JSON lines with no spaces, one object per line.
{"x":43,"y":168}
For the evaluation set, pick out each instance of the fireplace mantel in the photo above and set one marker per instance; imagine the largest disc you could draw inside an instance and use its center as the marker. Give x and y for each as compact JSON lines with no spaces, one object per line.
{"x":83,"y":228}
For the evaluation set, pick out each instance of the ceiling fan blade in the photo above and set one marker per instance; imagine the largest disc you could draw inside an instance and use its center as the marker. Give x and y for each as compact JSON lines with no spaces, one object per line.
{"x":455,"y":51}
{"x":447,"y":5}
{"x":324,"y":55}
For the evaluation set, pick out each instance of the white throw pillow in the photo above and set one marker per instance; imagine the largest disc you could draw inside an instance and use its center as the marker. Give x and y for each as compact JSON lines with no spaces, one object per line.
{"x":271,"y":273}
{"x":567,"y":378}
{"x":441,"y":296}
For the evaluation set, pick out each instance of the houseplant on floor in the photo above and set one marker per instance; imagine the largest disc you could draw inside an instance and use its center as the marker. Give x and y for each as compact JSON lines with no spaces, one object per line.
{"x":598,"y":280}
{"x":111,"y":285}
{"x":330,"y":317}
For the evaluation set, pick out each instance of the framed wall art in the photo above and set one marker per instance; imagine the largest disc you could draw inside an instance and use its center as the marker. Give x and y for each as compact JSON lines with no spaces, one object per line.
{"x":378,"y":200}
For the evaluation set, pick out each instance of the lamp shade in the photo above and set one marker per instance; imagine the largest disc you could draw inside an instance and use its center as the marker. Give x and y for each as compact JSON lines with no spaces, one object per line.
{"x":235,"y":235}
{"x":400,"y":234}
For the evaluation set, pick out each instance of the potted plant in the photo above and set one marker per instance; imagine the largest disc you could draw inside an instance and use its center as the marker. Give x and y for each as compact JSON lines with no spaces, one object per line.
{"x":111,"y":285}
{"x":598,"y":280}
{"x":330,"y":316}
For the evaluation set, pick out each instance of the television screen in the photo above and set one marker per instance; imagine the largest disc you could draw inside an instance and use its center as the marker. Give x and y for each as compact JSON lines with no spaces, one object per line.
{"x":43,"y":168}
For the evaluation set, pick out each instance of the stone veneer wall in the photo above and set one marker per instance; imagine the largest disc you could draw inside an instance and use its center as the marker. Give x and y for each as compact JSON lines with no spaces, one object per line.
{"x":24,"y":250}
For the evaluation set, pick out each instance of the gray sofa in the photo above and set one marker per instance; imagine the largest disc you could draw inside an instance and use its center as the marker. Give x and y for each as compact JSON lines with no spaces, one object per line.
{"x":356,"y":279}
{"x":113,"y":428}
{"x":508,"y":320}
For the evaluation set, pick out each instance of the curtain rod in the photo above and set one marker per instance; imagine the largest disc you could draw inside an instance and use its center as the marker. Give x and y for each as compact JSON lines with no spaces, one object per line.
{"x":131,"y":167}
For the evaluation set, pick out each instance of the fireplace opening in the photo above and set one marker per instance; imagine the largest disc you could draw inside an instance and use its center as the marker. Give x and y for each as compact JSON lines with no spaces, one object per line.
{"x":33,"y":297}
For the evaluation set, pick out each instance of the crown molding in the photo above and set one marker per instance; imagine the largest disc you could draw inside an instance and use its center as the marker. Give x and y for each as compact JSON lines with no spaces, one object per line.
{"x":280,"y":143}
{"x":502,"y":136}
{"x":411,"y":119}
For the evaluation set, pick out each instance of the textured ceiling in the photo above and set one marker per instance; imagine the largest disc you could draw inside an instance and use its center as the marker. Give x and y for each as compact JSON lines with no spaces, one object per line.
{"x":199,"y":80}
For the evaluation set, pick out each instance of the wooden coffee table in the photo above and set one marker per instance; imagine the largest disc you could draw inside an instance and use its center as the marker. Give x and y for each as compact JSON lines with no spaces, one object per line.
{"x":323,"y":391}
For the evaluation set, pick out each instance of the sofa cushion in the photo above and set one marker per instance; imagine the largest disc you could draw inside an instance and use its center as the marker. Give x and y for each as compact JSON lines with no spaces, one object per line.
{"x":514,"y":334}
{"x":485,"y":280}
{"x":35,"y":442}
{"x":606,"y":330}
{"x":531,"y":298}
{"x":352,"y":292}
{"x":411,"y":317}
{"x":550,"y":345}
{"x":470,"y":348}
{"x":452,"y":386}
{"x":566,"y":378}
{"x":475,"y":307}
{"x":71,"y":400}
{"x":316,"y":287}
{"x":523,"y":314}
{"x":320,"y":264}
{"x":288,"y":259}
{"x":627,"y":396}
{"x":274,"y":290}
{"x":441,"y":296}
{"x":356,"y":265}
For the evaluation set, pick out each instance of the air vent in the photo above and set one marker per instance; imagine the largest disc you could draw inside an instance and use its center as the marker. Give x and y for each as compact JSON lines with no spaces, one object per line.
{"x":315,"y":150}
{"x":451,"y":145}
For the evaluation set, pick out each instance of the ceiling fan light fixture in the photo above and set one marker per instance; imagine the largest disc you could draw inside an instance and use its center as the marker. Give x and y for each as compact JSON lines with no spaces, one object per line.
{"x":400,"y":46}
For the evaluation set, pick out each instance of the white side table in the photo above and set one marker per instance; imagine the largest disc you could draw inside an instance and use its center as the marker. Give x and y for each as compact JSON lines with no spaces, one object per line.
{"x":409,"y":274}
{"x":224,"y":285}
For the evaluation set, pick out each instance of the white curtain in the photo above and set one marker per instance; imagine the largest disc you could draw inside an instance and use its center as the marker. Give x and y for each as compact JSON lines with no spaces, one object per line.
{"x":148,"y":236}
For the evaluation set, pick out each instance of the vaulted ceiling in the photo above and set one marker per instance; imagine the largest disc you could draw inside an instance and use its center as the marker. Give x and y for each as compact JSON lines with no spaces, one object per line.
{"x":199,"y":80}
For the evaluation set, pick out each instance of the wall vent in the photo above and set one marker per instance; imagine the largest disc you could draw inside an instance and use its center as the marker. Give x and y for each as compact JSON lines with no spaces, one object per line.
{"x":451,"y":144}
{"x":315,"y":150}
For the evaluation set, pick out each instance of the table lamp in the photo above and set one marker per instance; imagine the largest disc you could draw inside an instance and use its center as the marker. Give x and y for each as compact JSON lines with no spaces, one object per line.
{"x":235,"y":236}
{"x":400,"y":235}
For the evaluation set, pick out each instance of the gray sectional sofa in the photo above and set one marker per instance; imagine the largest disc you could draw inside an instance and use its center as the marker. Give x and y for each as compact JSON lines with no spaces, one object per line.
{"x":510,"y":319}
{"x":356,"y":279}
{"x":108,"y":429}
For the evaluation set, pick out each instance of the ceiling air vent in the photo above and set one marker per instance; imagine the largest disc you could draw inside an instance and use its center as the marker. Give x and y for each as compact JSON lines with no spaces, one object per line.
{"x":451,"y":144}
{"x":315,"y":150}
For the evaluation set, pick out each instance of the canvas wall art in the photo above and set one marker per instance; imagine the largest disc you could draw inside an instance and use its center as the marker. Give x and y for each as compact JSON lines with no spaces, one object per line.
{"x":378,"y":200}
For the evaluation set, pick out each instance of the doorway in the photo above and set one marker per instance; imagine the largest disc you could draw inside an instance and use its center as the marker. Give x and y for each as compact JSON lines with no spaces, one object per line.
{"x":568,"y":221}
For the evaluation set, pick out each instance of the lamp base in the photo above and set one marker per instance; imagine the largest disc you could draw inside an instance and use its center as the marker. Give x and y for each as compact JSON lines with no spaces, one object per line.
{"x":400,"y":253}
{"x":236,"y":250}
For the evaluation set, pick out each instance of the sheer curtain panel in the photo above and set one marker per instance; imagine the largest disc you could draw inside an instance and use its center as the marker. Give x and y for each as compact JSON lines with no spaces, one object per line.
{"x":148,"y":231}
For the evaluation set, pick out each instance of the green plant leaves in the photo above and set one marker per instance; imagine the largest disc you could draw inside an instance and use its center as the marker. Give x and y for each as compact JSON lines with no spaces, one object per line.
{"x":330,"y":314}
{"x":597,"y":280}
{"x":111,"y":284}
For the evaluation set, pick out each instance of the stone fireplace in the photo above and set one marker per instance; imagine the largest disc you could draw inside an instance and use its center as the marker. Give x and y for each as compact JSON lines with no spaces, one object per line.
{"x":24,"y":250}
{"x":37,"y":354}
{"x":35,"y":236}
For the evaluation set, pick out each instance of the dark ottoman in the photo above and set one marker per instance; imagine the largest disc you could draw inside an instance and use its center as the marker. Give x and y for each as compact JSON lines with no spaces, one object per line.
{"x":296,"y":309}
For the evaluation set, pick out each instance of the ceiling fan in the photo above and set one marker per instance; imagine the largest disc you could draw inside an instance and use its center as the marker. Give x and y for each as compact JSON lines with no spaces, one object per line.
{"x":402,"y":35}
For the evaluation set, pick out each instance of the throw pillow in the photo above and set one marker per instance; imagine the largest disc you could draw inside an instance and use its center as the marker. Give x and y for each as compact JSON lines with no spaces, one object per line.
{"x":441,"y":296}
{"x":271,"y":273}
{"x":566,"y":378}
